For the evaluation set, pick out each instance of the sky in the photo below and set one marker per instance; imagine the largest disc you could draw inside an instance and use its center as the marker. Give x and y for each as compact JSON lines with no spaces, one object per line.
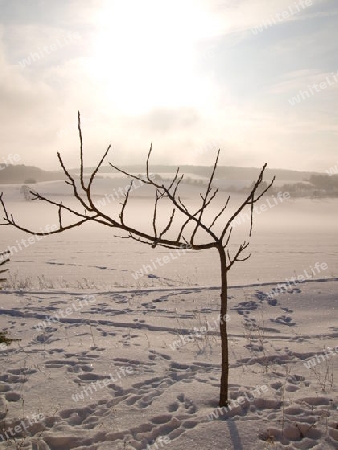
{"x":256,"y":78}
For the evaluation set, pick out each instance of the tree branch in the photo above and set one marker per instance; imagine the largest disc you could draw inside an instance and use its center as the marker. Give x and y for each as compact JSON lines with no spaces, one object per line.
{"x":250,"y":200}
{"x":241,"y":249}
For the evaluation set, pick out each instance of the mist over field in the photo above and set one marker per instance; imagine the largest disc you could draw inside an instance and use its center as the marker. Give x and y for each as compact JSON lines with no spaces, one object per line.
{"x":95,"y":306}
{"x":289,"y":235}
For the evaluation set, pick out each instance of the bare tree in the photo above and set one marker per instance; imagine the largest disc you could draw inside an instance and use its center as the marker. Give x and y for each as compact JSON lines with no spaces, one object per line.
{"x":193,"y":222}
{"x":5,"y":340}
{"x":4,"y":258}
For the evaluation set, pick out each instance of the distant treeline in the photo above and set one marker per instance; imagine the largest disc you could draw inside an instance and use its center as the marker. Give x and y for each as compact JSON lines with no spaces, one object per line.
{"x":316,"y":186}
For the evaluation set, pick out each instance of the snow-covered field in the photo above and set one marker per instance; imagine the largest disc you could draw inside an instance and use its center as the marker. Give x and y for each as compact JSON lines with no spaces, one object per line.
{"x":130,"y":355}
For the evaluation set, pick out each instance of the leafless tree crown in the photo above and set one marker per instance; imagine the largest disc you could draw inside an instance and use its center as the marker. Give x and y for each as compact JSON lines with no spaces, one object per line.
{"x":186,"y":237}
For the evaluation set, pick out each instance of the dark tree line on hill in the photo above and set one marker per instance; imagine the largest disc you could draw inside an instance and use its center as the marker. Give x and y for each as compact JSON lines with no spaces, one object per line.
{"x":316,"y":186}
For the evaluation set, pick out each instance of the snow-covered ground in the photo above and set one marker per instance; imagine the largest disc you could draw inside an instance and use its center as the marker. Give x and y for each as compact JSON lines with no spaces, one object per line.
{"x":130,"y":355}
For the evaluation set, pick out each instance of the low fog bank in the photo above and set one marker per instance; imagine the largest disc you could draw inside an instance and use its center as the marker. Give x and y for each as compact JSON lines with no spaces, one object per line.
{"x":289,"y":236}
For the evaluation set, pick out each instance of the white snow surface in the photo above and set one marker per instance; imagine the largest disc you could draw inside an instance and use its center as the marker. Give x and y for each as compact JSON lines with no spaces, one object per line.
{"x":110,"y":370}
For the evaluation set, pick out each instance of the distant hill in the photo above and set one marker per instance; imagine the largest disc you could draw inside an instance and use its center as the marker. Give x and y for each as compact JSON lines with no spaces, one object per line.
{"x":17,"y":174}
{"x":229,"y":172}
{"x":232,"y":179}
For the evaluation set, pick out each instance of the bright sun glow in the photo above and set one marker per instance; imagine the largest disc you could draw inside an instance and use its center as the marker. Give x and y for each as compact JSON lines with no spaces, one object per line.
{"x":144,"y":54}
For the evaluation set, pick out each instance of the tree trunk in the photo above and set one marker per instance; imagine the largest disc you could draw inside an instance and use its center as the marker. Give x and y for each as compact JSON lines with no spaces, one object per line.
{"x":223,"y":401}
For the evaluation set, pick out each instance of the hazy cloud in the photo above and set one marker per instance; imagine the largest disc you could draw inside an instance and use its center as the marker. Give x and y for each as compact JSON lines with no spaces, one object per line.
{"x":180,"y":75}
